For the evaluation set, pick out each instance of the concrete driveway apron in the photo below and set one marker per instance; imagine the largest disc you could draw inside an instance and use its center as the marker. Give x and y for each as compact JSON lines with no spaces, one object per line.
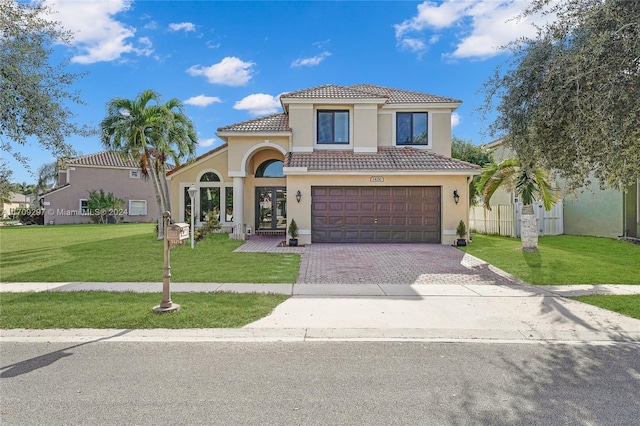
{"x":430,"y":291}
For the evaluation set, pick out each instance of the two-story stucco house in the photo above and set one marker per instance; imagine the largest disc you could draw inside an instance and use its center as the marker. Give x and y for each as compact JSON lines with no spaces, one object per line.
{"x":359,"y":163}
{"x":107,"y":170}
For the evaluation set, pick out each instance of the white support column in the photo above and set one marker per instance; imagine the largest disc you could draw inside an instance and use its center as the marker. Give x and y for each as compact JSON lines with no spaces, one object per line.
{"x":238,"y":201}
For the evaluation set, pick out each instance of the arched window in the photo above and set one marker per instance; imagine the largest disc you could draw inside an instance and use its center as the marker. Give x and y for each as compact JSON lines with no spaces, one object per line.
{"x":270,"y":169}
{"x":209,"y":177}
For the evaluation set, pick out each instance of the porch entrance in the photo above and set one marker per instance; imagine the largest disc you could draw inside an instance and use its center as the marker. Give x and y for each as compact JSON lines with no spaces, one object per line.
{"x":271,"y":209}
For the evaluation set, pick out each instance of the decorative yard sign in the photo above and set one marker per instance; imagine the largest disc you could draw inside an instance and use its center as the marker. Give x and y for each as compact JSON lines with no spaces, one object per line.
{"x":376,"y":179}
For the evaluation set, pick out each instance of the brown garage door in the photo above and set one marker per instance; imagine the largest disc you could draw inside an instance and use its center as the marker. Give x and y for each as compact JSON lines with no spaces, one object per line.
{"x":375,"y":214}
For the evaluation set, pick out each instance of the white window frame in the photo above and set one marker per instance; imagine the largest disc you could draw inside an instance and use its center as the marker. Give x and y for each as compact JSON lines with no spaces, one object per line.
{"x":134,"y":174}
{"x":83,"y":210}
{"x":131,"y":213}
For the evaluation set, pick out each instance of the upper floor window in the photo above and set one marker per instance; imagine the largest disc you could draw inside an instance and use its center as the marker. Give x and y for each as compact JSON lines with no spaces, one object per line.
{"x":333,"y":127}
{"x":270,"y":169}
{"x":411,"y":128}
{"x":134,"y":174}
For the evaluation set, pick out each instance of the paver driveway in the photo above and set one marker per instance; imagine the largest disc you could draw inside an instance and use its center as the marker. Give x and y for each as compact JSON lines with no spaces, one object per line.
{"x":394,"y":264}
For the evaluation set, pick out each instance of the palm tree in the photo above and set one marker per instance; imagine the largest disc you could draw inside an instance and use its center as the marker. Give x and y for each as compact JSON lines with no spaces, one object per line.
{"x":152,"y":133}
{"x":529,"y":182}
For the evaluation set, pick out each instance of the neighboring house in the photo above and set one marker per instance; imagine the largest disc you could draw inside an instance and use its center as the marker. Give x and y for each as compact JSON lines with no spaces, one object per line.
{"x":358,"y":163}
{"x":587,"y":211}
{"x":16,"y":202}
{"x":106,"y":170}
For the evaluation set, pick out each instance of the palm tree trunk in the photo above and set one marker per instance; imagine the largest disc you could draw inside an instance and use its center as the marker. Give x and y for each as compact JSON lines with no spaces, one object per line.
{"x":529,"y":229}
{"x":156,"y":183}
{"x":164,"y":187}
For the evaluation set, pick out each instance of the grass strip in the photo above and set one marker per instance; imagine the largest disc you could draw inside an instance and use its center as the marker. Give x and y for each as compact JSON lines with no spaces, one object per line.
{"x":131,"y":253}
{"x":562,"y":259}
{"x":628,"y":304}
{"x":132,"y":310}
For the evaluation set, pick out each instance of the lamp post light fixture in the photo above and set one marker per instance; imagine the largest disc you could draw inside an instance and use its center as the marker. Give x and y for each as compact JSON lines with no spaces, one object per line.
{"x":192,"y":194}
{"x":456,"y":196}
{"x":298,"y":196}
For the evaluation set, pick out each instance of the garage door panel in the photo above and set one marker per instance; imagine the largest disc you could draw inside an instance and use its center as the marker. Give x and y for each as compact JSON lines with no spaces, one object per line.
{"x":376,"y":214}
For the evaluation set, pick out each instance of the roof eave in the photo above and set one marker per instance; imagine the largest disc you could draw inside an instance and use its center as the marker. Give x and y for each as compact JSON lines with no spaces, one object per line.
{"x":223,"y":135}
{"x":378,"y":101}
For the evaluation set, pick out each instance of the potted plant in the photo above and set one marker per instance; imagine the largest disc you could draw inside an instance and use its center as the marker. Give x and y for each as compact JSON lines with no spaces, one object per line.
{"x":461,"y":232}
{"x":293,"y":232}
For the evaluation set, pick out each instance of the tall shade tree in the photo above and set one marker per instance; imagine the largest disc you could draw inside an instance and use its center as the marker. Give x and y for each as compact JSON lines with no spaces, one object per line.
{"x":153,"y":133}
{"x":34,"y":91}
{"x":530,"y":183}
{"x":569,"y":98}
{"x":474,"y":154}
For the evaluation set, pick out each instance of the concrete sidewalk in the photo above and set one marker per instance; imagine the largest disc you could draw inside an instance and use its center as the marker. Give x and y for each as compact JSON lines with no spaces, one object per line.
{"x":325,"y":289}
{"x":424,"y":312}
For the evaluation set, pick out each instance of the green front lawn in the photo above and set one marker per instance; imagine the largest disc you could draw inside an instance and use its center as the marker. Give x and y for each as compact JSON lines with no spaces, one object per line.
{"x":562,"y":259}
{"x":130,"y":253}
{"x":132,"y":310}
{"x":628,"y":305}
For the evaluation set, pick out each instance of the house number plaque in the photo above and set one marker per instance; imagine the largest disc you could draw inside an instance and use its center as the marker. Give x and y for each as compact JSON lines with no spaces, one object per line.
{"x":376,"y":179}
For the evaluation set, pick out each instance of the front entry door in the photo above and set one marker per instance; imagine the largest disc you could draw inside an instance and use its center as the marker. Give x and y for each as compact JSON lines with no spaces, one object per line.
{"x":271,"y":208}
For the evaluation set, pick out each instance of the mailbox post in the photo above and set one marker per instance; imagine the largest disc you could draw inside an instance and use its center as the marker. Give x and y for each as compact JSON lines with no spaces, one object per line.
{"x":174,"y":234}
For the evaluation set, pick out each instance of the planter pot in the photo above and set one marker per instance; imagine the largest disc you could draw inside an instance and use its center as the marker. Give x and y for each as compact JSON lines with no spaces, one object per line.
{"x":461,"y":242}
{"x":293,"y":242}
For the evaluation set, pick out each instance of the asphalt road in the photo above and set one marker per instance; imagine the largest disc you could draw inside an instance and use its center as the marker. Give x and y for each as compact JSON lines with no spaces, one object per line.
{"x":318,"y":383}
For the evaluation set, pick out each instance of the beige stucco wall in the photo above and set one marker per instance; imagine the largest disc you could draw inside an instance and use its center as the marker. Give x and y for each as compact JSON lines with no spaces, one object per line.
{"x":302,"y":124}
{"x":370,"y":126}
{"x":63,"y":206}
{"x":222,"y":163}
{"x":242,"y":148}
{"x":365,"y":128}
{"x":441,"y":132}
{"x":451,"y":212}
{"x":191,"y":175}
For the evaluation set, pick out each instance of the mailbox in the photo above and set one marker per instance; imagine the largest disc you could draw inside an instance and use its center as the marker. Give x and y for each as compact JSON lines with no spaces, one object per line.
{"x":178,"y":231}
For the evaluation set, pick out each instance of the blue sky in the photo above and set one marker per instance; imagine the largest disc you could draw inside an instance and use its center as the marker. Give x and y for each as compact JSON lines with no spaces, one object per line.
{"x":229,"y":61}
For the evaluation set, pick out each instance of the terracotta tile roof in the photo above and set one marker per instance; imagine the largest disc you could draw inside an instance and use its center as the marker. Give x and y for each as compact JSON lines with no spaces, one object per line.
{"x":397,"y":96}
{"x":386,"y":159}
{"x":366,"y":91}
{"x":104,"y":159}
{"x":331,"y":91}
{"x":271,"y":123}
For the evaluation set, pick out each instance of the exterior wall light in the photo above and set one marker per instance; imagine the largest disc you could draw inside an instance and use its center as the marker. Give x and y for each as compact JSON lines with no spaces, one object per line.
{"x":298,"y":196}
{"x":456,"y":196}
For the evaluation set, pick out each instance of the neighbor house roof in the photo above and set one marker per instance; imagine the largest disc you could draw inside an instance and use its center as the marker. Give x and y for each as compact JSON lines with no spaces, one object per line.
{"x":367,"y":91}
{"x":104,"y":159}
{"x":386,"y":159}
{"x":271,"y":123}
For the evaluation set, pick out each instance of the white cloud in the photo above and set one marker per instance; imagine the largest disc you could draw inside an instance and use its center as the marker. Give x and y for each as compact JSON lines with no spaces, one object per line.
{"x":206,"y":142}
{"x":310,"y":62}
{"x":491,"y":24}
{"x":182,"y":26}
{"x":151,"y":25}
{"x":455,"y":119}
{"x":98,"y":35}
{"x":259,"y":104}
{"x":231,"y":71}
{"x":202,"y":100}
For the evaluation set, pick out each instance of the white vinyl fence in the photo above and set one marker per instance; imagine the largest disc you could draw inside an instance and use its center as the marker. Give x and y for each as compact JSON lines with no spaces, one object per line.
{"x":504,"y":219}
